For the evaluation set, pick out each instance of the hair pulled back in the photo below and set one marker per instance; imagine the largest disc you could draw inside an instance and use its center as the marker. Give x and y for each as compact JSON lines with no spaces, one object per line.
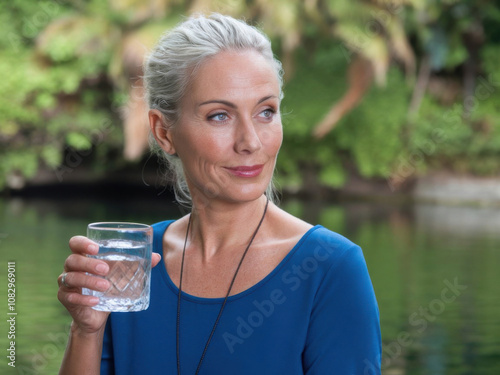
{"x":174,"y":60}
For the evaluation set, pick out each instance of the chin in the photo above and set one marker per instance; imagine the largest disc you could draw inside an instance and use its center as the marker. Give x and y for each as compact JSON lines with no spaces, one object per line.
{"x":247,"y":194}
{"x":232,"y":191}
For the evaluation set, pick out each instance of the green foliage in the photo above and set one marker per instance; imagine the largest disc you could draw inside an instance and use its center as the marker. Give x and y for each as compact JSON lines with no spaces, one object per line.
{"x":63,"y":85}
{"x":443,"y":137}
{"x":373,"y":131}
{"x":322,"y":75}
{"x":51,"y":96}
{"x":370,"y":135}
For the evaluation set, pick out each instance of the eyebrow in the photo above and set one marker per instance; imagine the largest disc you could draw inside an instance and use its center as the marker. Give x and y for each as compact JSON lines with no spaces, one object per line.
{"x":232,"y":105}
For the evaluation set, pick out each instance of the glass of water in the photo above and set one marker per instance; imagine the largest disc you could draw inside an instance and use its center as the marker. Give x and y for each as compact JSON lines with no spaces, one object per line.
{"x":126,"y":248}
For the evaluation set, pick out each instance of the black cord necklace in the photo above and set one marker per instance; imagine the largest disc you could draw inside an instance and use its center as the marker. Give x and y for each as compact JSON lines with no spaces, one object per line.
{"x":223,"y":303}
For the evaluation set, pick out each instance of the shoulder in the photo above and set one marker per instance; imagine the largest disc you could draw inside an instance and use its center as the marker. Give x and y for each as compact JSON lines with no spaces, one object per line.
{"x":285,"y":228}
{"x":342,"y":270}
{"x":158,"y":232}
{"x":337,"y":270}
{"x":312,"y":244}
{"x":328,"y":259}
{"x":326,"y":241}
{"x":327,"y":246}
{"x":161,"y":225}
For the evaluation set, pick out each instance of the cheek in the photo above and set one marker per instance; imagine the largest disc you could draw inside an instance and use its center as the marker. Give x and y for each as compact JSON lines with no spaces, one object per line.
{"x":215,"y":145}
{"x":272,"y":139}
{"x":203,"y":145}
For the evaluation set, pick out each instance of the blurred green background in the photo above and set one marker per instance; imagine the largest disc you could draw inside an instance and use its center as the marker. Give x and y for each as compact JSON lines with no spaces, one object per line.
{"x":414,"y":253}
{"x":380,"y":97}
{"x":379,"y":89}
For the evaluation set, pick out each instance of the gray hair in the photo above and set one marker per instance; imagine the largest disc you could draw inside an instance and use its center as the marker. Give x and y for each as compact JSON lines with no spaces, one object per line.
{"x":177,"y":55}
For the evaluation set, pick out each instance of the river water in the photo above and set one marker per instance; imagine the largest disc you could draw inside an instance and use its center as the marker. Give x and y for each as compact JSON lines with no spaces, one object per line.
{"x":435,"y":270}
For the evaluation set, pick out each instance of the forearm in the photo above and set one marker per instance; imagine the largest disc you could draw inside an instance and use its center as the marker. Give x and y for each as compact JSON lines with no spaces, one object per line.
{"x":83,"y":353}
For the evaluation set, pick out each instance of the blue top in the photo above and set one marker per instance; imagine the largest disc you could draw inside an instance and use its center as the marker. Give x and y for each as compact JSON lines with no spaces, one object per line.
{"x":315,"y":313}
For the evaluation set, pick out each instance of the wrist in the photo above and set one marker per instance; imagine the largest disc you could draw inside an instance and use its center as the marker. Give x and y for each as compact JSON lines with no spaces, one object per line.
{"x":86,"y":333}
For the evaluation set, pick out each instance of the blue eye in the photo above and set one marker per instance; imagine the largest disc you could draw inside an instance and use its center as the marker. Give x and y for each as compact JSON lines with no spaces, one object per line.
{"x":267,"y":113}
{"x":218,"y":117}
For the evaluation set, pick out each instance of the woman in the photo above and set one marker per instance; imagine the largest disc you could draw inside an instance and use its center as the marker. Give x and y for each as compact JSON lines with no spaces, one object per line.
{"x":242,"y":287}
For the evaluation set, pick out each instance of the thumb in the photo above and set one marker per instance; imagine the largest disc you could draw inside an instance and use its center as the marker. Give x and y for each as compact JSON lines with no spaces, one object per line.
{"x":155,"y":259}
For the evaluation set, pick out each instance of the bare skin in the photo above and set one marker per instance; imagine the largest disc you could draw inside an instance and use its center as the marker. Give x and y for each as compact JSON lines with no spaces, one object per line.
{"x":83,"y":353}
{"x":209,"y":277}
{"x":228,"y":138}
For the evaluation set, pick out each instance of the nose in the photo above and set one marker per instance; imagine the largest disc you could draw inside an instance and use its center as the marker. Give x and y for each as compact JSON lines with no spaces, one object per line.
{"x":247,"y":139}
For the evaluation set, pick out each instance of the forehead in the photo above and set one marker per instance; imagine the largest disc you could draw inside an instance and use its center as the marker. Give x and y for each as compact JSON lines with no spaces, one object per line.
{"x":233,"y":73}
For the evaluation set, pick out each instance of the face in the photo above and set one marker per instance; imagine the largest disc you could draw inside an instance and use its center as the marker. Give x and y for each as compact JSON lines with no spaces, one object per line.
{"x":229,"y":132}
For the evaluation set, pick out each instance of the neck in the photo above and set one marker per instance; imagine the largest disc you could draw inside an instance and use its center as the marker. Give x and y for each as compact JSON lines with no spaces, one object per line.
{"x":219,"y":226}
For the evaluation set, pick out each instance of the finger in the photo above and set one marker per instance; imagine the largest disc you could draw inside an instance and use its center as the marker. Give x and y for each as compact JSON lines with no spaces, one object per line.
{"x":69,"y":299}
{"x":60,"y":280}
{"x":155,"y":259}
{"x":82,"y":245}
{"x":81,"y":263}
{"x":81,"y":280}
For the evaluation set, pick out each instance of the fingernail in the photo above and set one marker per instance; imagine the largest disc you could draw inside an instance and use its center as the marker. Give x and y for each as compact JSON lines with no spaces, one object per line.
{"x":93,"y":248}
{"x":101,"y":268}
{"x":103,"y":284}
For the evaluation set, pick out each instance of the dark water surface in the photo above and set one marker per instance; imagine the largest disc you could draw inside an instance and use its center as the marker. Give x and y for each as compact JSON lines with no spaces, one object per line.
{"x":435,"y":270}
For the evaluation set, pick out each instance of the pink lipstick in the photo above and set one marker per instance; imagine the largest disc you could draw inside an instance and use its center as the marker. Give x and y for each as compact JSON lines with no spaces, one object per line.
{"x":246,"y":171}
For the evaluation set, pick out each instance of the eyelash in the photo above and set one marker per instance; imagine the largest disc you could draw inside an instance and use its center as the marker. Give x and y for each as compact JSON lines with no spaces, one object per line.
{"x":273,"y":112}
{"x":214,"y":116}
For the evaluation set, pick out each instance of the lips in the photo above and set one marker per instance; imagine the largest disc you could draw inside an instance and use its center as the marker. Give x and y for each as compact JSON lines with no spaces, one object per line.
{"x":246,"y":171}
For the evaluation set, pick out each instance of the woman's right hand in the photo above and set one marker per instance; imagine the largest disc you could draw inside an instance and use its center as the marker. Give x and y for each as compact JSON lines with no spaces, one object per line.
{"x":85,"y":319}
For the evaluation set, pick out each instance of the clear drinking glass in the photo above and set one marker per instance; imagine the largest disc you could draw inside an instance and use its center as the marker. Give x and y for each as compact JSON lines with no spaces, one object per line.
{"x":126,"y":247}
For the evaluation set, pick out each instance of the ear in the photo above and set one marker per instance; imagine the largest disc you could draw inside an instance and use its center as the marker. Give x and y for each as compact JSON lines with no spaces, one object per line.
{"x":161,"y":131}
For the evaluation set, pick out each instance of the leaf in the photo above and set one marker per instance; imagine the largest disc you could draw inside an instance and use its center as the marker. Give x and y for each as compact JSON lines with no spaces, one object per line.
{"x":51,"y":155}
{"x":25,"y":162}
{"x":45,"y":101}
{"x":78,"y":141}
{"x":8,"y":128}
{"x":333,"y":174}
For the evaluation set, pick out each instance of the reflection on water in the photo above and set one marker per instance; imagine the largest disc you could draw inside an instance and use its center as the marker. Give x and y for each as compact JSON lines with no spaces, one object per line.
{"x":460,"y":221}
{"x":434,"y":270}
